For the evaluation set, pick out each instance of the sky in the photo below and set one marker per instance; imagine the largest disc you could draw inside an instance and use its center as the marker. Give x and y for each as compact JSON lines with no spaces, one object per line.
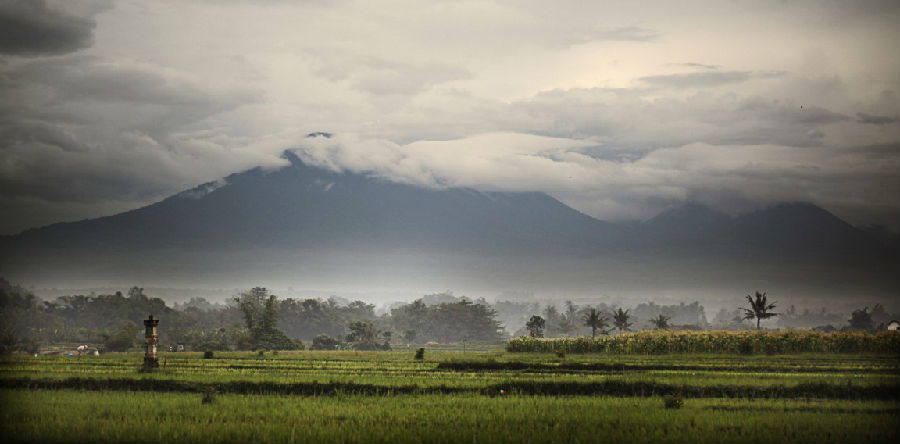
{"x":619,"y":109}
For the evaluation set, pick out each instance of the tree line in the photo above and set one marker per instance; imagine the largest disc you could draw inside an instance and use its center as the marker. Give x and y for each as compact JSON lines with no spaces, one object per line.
{"x":253,"y":320}
{"x":256,"y":319}
{"x":756,"y":309}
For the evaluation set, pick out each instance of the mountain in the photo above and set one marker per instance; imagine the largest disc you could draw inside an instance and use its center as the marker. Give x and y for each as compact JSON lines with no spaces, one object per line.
{"x":805,"y":227}
{"x":691,"y":225}
{"x":304,"y":207}
{"x":310,"y":226}
{"x":787,"y":229}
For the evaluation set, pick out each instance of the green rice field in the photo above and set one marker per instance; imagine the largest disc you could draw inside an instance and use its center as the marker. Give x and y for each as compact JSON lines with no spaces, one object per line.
{"x":452,"y":396}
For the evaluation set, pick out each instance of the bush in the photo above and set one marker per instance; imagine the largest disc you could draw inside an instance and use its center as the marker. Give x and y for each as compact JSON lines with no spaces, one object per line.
{"x":277,"y":340}
{"x":324,"y":342}
{"x":10,"y":343}
{"x":673,"y":401}
{"x":209,"y":394}
{"x":208,"y":354}
{"x":214,"y":345}
{"x":420,"y":354}
{"x":744,"y":342}
{"x":370,"y":346}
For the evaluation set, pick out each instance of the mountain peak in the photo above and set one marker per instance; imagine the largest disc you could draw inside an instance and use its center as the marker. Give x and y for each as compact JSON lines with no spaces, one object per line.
{"x":796,"y":213}
{"x":691,"y":215}
{"x":293,"y":158}
{"x":799,"y":208}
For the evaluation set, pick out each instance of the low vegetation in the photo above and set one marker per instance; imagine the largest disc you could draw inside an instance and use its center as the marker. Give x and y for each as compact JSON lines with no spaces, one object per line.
{"x":446,"y":396}
{"x":766,"y":342}
{"x":435,"y":370}
{"x":72,"y":416}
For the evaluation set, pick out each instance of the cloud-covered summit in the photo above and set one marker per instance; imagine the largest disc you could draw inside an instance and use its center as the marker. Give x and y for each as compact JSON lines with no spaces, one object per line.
{"x":579,"y":171}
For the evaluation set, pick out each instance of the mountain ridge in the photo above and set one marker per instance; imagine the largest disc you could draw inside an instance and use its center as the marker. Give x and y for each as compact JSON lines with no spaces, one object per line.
{"x":288,"y":221}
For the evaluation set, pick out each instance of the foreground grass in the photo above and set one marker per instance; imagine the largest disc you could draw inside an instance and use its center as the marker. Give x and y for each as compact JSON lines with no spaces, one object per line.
{"x":451,"y":396}
{"x":75,"y":416}
{"x":473,"y":370}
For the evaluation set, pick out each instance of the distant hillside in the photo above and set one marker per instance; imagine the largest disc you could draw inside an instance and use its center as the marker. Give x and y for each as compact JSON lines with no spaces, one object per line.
{"x":300,"y":224}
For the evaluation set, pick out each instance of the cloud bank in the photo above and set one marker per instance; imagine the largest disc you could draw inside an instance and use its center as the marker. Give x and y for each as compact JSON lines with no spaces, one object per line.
{"x":732,"y":177}
{"x":619,"y":109}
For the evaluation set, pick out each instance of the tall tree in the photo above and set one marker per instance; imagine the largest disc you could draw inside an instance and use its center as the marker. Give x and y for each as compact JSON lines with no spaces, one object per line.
{"x":364,"y":336}
{"x":362,"y":331}
{"x":535,"y":326}
{"x":596,"y":320}
{"x":136,"y":293}
{"x":261,"y":317}
{"x":620,"y":319}
{"x":759,"y":308}
{"x":571,"y":312}
{"x":861,"y":319}
{"x":252,"y":304}
{"x":567,"y":324}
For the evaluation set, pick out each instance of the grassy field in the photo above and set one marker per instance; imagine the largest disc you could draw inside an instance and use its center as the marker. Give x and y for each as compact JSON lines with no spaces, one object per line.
{"x":452,"y":396}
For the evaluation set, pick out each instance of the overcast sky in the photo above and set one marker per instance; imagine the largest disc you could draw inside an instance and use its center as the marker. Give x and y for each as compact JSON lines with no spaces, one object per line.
{"x":620,"y":109}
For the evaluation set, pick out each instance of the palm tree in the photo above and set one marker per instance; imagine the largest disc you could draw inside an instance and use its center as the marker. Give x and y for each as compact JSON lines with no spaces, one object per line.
{"x":571,"y":312}
{"x":595,"y":320}
{"x":620,"y":319}
{"x":661,"y":322}
{"x":759,"y":308}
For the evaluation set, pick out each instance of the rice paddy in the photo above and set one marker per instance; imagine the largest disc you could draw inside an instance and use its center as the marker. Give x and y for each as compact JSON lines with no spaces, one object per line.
{"x":451,"y":396}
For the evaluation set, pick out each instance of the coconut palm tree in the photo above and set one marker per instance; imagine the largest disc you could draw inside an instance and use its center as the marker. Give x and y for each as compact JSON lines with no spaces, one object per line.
{"x":595,"y":320}
{"x":620,"y":319}
{"x":661,"y":322}
{"x":759,"y":308}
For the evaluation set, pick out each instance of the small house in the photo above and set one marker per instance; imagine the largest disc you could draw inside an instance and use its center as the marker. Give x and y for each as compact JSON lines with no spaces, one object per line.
{"x":893,"y":325}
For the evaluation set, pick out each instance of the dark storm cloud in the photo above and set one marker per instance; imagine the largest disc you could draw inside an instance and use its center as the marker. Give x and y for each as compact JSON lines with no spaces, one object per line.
{"x":81,"y":90}
{"x":875,"y":119}
{"x":707,"y":79}
{"x":81,"y":129}
{"x":30,"y":27}
{"x":44,"y":133}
